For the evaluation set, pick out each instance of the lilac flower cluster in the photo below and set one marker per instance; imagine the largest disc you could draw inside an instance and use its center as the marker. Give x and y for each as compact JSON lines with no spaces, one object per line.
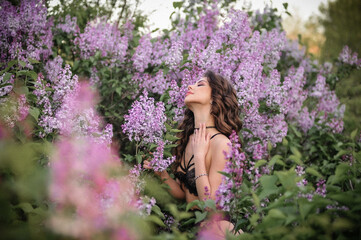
{"x":158,"y":163}
{"x":236,"y":167}
{"x":68,"y":25}
{"x":145,"y":120}
{"x":321,"y":188}
{"x":134,"y":176}
{"x":77,"y":116}
{"x":346,"y":56}
{"x":7,"y":85}
{"x":25,"y":31}
{"x":46,"y":119}
{"x":63,"y":82}
{"x":13,"y":108}
{"x":145,"y":204}
{"x":104,"y":37}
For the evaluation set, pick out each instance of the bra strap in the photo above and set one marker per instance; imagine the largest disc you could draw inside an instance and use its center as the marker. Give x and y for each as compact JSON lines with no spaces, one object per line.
{"x":215,"y":135}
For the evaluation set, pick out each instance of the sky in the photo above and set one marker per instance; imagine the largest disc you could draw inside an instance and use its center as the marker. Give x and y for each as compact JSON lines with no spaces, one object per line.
{"x":160,"y":10}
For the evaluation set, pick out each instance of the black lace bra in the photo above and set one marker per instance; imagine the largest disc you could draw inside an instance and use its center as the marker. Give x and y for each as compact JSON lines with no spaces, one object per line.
{"x":187,"y":176}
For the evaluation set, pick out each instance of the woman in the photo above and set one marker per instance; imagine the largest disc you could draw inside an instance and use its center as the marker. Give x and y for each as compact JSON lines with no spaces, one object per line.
{"x":211,"y":115}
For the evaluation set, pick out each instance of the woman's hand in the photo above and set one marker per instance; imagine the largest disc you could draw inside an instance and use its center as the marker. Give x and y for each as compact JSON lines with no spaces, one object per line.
{"x":200,"y":142}
{"x":146,"y":165}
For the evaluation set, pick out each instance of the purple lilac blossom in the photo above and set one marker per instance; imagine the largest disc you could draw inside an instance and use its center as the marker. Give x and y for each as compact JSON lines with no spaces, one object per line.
{"x":145,"y":204}
{"x":7,"y":85}
{"x":46,"y":119}
{"x":25,"y":25}
{"x":78,"y":117}
{"x":63,"y":82}
{"x":81,"y":167}
{"x":321,"y":188}
{"x":236,"y":166}
{"x":346,"y":56}
{"x":13,"y":108}
{"x":145,"y":120}
{"x":68,"y":25}
{"x":158,"y":163}
{"x":104,"y":37}
{"x":134,"y":176}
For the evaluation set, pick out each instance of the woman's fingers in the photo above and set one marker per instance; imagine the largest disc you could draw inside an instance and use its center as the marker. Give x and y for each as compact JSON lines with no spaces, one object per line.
{"x":146,"y":164}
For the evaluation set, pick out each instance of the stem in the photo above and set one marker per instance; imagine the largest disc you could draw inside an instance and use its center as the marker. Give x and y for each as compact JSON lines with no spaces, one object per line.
{"x":136,"y":148}
{"x":351,"y":184}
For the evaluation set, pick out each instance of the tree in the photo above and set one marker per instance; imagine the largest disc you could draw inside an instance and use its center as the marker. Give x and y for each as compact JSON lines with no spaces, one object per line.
{"x":342,"y":26}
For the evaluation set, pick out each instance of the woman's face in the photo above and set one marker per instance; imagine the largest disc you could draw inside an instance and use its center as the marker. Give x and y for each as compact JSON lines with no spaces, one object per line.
{"x":200,"y":93}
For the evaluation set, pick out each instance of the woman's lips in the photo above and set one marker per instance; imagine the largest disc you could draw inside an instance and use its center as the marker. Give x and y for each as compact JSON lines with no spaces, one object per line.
{"x":188,"y":93}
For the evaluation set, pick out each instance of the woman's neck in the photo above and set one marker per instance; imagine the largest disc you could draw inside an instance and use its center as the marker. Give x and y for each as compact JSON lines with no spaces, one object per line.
{"x":203,"y":116}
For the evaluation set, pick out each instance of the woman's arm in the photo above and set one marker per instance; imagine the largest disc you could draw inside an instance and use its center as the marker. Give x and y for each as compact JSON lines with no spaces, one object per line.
{"x":213,"y":179}
{"x":175,"y":189}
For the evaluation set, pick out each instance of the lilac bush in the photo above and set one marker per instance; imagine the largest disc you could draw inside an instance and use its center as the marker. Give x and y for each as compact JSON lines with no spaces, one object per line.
{"x":249,"y":53}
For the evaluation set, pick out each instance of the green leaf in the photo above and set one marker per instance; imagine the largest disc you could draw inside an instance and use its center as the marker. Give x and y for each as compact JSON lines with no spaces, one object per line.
{"x":156,"y":220}
{"x":340,"y":173}
{"x":138,"y":157}
{"x":260,"y":163}
{"x":304,"y":207}
{"x":26,"y":207}
{"x":210,"y":204}
{"x":275,"y":213}
{"x":22,"y":63}
{"x":256,"y":200}
{"x":34,"y":112}
{"x":190,"y":221}
{"x":33,"y":75}
{"x":353,"y":134}
{"x":157,"y":211}
{"x":285,"y":5}
{"x":176,"y":130}
{"x":285,"y":142}
{"x":254,"y":218}
{"x":295,"y":131}
{"x":274,"y":159}
{"x":313,"y":172}
{"x":192,"y":204}
{"x":7,"y":77}
{"x":177,"y":4}
{"x":268,"y":183}
{"x":170,"y":137}
{"x":10,"y":64}
{"x":200,"y":216}
{"x":287,"y":178}
{"x":33,"y":61}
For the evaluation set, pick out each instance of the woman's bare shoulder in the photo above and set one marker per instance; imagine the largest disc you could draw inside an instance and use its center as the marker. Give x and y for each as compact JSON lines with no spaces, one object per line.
{"x":220,"y":141}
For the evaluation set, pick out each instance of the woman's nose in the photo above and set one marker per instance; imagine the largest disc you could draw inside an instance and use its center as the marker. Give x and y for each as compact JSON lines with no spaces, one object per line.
{"x":189,"y":87}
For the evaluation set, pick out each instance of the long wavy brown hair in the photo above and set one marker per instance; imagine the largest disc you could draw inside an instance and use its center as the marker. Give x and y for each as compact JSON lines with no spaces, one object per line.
{"x":225,"y":111}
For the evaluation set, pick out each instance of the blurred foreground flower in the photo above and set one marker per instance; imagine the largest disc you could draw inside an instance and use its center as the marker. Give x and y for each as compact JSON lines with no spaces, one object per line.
{"x":90,"y":191}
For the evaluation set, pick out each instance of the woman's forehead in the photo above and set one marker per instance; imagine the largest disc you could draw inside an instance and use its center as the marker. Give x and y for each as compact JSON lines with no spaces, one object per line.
{"x":203,"y":79}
